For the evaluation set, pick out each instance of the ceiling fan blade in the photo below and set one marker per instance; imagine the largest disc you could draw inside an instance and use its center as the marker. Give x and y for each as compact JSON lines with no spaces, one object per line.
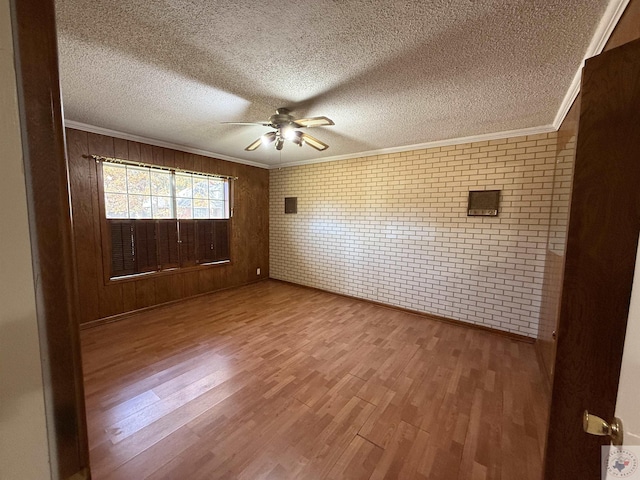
{"x":246,"y":123}
{"x":267,"y":138}
{"x":314,"y":122}
{"x":314,"y":142}
{"x":254,"y":145}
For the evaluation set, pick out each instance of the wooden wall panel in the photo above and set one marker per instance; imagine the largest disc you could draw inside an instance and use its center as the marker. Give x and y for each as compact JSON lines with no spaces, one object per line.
{"x":556,"y":241}
{"x":110,"y":300}
{"x":79,"y":170}
{"x":628,"y":27}
{"x":190,"y":284}
{"x":179,"y":159}
{"x":120,"y":148}
{"x":169,"y":158}
{"x":129,"y":296}
{"x":146,"y":152}
{"x":157,"y":155}
{"x":197,"y":163}
{"x":188,"y":161}
{"x":168,"y":288}
{"x":205,"y":280}
{"x":135,"y":151}
{"x":145,"y":293}
{"x":249,"y":239}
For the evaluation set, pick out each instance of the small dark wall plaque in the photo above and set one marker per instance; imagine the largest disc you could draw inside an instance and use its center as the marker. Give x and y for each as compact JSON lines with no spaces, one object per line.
{"x":291,"y":205}
{"x":484,"y":203}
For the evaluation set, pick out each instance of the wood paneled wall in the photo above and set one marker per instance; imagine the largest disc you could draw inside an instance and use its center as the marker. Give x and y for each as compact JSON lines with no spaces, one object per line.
{"x":628,"y":28}
{"x":249,"y":235}
{"x":556,"y":242}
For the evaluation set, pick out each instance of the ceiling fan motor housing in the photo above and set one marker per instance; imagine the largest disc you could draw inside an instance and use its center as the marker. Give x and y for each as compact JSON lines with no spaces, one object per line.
{"x":282,"y":119}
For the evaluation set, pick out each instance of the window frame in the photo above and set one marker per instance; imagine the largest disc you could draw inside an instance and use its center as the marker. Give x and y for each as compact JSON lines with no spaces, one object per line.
{"x":171,"y":269}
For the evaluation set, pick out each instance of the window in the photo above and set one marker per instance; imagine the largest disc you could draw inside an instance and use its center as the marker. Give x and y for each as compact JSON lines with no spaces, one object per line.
{"x":159,"y":219}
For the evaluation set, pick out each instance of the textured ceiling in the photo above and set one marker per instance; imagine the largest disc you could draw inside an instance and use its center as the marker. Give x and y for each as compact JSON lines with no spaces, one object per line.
{"x":388,"y":73}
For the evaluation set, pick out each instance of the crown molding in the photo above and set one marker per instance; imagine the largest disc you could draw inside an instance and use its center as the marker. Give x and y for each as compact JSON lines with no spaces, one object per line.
{"x":383,"y":151}
{"x":158,"y":143}
{"x":607,"y":24}
{"x":421,"y":146}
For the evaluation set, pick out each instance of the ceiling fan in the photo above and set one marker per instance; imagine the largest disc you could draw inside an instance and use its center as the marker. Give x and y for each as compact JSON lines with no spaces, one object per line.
{"x":286,"y":126}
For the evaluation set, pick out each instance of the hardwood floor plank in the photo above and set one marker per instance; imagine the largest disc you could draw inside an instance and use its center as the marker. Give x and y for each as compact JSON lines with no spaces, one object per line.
{"x":392,"y":464}
{"x":109,"y":455}
{"x":150,"y":460}
{"x":358,"y":460}
{"x":272,"y":380}
{"x":110,"y":416}
{"x":164,"y":406}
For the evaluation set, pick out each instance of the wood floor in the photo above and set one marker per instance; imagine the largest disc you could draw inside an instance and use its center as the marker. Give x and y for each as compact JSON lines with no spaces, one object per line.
{"x":277,"y":381}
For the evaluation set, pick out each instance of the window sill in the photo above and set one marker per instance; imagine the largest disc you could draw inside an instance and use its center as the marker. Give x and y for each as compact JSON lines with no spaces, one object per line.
{"x":162,"y":273}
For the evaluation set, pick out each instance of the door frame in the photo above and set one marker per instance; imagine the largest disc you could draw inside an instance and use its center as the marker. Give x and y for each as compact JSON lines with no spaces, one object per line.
{"x":46,"y":179}
{"x":604,"y":225}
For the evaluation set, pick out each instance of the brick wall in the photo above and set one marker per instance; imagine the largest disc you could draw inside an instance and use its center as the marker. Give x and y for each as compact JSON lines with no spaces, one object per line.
{"x":394,"y":229}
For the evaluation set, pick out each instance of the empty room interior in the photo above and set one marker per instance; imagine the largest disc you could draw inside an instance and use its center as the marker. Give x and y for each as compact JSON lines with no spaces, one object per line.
{"x":317,"y":240}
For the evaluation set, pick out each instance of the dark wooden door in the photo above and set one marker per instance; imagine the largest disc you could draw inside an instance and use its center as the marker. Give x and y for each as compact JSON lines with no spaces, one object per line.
{"x":601,"y":252}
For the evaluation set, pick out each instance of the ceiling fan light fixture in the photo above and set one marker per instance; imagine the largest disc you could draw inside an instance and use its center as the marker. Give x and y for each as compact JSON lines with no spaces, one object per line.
{"x":297,"y":138}
{"x":267,"y":138}
{"x":289,"y":133}
{"x":285,"y":126}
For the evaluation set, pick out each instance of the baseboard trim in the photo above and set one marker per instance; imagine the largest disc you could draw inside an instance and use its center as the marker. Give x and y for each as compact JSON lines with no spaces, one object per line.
{"x":451,"y":321}
{"x":121,"y":316}
{"x":460,"y":323}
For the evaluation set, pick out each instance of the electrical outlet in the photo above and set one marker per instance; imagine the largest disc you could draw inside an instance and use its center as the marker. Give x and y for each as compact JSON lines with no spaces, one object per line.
{"x":258,"y":271}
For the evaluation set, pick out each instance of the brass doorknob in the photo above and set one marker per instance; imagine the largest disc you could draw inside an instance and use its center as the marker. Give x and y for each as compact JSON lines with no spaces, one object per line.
{"x":597,"y":426}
